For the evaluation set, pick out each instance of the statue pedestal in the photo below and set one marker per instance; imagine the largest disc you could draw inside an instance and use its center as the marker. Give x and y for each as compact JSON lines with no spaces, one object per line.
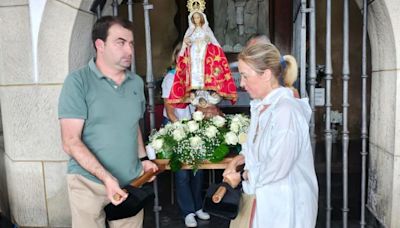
{"x":209,"y":111}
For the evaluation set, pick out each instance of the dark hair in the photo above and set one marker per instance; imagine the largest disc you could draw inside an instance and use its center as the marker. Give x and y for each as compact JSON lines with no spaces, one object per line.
{"x":175,"y":54}
{"x":103,"y":24}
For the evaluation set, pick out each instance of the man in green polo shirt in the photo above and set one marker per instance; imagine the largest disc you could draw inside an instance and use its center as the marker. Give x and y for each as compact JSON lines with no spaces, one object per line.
{"x":99,"y":110}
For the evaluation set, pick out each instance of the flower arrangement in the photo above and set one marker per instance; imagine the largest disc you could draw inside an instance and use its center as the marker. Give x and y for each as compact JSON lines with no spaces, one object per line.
{"x":193,"y":141}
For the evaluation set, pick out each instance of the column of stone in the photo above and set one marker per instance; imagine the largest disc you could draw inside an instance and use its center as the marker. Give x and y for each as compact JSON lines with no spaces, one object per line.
{"x":34,"y":161}
{"x":384,"y":150}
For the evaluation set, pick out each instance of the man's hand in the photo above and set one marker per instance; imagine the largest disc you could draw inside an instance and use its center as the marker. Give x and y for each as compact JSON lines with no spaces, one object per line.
{"x":114,"y":193}
{"x":149,"y":166}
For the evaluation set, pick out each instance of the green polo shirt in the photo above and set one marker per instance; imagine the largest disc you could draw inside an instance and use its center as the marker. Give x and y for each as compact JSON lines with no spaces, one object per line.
{"x":111,"y":115}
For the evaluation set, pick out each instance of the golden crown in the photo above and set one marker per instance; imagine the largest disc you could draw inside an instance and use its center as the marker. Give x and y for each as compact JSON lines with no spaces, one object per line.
{"x":196,"y":5}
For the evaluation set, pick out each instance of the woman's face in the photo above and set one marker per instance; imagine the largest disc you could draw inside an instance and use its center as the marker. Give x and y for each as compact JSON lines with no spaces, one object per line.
{"x":197,"y":19}
{"x":254,"y":83}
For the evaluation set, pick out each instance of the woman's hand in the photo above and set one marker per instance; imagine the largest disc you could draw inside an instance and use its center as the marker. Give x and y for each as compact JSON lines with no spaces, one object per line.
{"x":233,"y":179}
{"x":236,"y":161}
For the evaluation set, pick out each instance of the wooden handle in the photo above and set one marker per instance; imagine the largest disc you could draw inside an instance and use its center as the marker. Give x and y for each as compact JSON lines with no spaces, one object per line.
{"x":138,"y":182}
{"x":221,"y":191}
{"x":145,"y":177}
{"x":219,"y":194}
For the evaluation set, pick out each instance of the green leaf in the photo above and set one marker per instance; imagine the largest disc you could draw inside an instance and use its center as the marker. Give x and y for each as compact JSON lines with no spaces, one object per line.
{"x":174,"y":163}
{"x":219,"y":153}
{"x":164,"y":154}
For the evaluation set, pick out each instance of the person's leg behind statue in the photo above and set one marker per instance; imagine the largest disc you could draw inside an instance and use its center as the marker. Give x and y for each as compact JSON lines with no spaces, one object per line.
{"x":184,"y":197}
{"x":196,"y":183}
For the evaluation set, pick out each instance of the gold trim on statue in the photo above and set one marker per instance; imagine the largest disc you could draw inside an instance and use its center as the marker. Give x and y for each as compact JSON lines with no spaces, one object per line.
{"x":196,"y":5}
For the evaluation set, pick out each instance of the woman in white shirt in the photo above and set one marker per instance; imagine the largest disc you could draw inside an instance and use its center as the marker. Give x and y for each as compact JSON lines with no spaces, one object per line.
{"x":279,"y":166}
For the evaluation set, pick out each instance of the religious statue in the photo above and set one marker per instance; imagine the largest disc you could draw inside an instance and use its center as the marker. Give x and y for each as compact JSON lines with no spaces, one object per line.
{"x":202,"y":76}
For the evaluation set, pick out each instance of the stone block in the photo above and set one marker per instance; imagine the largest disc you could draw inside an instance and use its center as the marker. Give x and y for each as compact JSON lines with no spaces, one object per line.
{"x":382,"y":38}
{"x":9,"y":3}
{"x":30,"y":123}
{"x":54,"y":41}
{"x":81,"y":48}
{"x":79,"y":4}
{"x":383,"y":115}
{"x":16,"y":46}
{"x":57,"y":194}
{"x":396,"y":193}
{"x":380,"y":183}
{"x":26,"y":193}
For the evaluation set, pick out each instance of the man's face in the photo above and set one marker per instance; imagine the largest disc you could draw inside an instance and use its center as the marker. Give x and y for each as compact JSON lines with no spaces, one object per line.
{"x":118,"y":47}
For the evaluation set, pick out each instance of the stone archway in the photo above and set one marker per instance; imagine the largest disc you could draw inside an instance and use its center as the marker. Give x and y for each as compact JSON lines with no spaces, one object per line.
{"x":384,"y":151}
{"x":34,"y":161}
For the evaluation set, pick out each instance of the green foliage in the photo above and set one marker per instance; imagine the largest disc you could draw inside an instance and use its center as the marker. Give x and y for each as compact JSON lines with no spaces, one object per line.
{"x":192,"y":142}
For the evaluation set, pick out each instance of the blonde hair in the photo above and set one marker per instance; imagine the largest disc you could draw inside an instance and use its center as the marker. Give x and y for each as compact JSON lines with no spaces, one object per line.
{"x":262,"y":56}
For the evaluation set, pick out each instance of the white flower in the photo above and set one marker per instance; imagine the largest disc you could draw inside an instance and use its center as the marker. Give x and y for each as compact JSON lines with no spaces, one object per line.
{"x":231,"y":138}
{"x":192,"y":126}
{"x":198,"y":116}
{"x":242,"y":137}
{"x":234,"y":127}
{"x":211,"y":132}
{"x":219,"y":121}
{"x":236,"y":119}
{"x":157,"y":144}
{"x":179,"y":134}
{"x":195,"y":141}
{"x":150,"y":152}
{"x":177,"y":124}
{"x":162,"y":131}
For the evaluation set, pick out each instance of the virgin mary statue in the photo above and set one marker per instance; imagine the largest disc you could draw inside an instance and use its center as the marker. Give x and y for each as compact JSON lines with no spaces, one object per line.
{"x":202,"y":76}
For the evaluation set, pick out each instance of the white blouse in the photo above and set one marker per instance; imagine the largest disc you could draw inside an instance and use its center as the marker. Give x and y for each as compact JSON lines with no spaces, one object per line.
{"x":280,"y":164}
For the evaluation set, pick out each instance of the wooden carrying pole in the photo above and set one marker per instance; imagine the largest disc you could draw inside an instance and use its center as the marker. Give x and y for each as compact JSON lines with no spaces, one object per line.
{"x":145,"y":177}
{"x":221,"y":191}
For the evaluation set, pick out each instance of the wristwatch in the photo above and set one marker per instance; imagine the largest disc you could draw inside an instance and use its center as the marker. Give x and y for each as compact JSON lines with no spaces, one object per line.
{"x":145,"y":158}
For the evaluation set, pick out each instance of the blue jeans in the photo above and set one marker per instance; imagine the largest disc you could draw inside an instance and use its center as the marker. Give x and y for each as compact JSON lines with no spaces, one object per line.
{"x":188,"y":190}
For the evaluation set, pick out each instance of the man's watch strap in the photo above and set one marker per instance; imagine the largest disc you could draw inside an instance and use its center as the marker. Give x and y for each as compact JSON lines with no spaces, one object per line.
{"x":145,"y":158}
{"x":241,"y":175}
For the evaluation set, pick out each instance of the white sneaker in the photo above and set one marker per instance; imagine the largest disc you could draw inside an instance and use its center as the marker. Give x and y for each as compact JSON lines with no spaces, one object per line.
{"x":190,"y":220}
{"x":202,"y":215}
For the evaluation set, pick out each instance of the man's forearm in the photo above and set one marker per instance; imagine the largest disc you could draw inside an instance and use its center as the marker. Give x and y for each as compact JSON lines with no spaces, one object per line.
{"x":78,"y":150}
{"x":141,"y":150}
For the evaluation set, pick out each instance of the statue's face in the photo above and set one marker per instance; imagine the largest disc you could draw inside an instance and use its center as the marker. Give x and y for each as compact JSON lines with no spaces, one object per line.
{"x":197,"y":19}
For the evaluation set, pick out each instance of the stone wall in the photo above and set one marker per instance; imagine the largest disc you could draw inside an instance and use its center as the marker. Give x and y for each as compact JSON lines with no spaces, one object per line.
{"x":384,"y":162}
{"x":34,"y":161}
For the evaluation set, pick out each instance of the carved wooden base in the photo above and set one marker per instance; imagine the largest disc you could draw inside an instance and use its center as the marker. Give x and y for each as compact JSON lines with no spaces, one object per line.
{"x":210,"y":111}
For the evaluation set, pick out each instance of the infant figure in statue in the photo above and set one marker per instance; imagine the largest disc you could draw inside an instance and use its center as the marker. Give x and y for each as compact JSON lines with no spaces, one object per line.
{"x":202,"y":76}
